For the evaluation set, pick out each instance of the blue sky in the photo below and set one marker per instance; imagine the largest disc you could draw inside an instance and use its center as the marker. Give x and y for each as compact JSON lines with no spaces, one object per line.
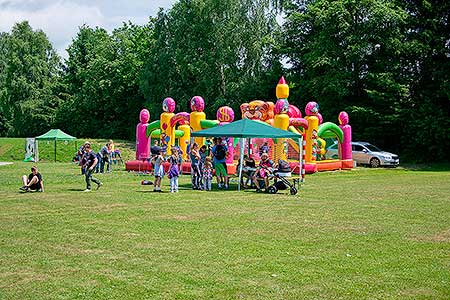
{"x":60,"y":19}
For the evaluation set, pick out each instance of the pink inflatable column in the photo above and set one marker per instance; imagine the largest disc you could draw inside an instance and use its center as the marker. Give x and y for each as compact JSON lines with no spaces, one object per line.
{"x":142,"y":141}
{"x":225,"y":115}
{"x":346,"y":146}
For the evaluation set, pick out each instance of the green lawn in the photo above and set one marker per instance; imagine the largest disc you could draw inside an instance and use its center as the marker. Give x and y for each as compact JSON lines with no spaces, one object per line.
{"x":13,"y":149}
{"x":360,"y":234}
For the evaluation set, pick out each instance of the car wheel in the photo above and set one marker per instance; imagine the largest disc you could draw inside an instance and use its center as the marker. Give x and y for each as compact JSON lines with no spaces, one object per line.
{"x":374,"y":162}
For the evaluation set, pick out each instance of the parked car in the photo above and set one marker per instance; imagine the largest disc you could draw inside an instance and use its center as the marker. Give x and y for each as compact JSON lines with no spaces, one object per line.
{"x":366,"y":154}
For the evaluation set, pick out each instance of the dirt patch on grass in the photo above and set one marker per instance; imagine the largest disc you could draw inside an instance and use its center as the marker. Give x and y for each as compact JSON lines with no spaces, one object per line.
{"x":440,"y":237}
{"x":192,"y":217}
{"x":20,"y":278}
{"x":415,"y":292}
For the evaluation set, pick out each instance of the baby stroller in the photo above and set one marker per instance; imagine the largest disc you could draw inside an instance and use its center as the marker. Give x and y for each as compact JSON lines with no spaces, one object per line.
{"x":281,"y":181}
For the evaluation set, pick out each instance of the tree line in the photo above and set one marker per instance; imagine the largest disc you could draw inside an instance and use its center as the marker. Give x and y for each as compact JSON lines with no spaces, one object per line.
{"x":387,"y":63}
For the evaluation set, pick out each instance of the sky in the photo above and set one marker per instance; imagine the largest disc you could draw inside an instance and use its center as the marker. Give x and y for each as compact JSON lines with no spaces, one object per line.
{"x":60,"y":19}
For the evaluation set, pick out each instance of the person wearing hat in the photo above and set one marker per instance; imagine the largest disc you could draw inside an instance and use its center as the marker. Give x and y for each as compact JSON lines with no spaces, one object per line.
{"x":91,"y":162}
{"x":261,"y":171}
{"x":33,"y":183}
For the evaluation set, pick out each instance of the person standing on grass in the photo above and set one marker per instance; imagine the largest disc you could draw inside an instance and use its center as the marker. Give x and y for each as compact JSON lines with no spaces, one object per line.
{"x":91,"y":162}
{"x":82,"y":155}
{"x":105,"y":153}
{"x":174,"y":171}
{"x":195,"y":169}
{"x":158,"y":169}
{"x":33,"y":183}
{"x":112,"y":149}
{"x":220,"y":152}
{"x":207,"y":174}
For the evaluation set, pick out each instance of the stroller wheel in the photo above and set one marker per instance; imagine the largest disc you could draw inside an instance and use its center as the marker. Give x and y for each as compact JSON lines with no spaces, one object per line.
{"x":272,"y":189}
{"x":293,"y":191}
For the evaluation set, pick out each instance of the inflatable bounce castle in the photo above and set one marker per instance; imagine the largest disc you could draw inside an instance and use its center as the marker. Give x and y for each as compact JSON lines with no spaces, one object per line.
{"x":174,"y":129}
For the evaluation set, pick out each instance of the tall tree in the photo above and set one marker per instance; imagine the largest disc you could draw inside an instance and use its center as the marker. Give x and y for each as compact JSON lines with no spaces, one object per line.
{"x":428,"y":65}
{"x":29,"y":81}
{"x":217,"y":49}
{"x":346,"y":54}
{"x":103,"y":72}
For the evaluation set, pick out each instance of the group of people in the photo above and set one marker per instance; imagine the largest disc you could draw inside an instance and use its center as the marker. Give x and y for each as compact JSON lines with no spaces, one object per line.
{"x":203,"y":160}
{"x":94,"y":162}
{"x":104,"y":157}
{"x":256,"y":175}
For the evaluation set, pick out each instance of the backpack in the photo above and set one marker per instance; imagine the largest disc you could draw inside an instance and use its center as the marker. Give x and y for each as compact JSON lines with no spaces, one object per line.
{"x":283,"y":166}
{"x":220,"y":152}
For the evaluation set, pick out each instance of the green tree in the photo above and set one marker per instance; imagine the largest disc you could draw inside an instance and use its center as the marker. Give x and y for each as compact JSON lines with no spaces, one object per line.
{"x":428,"y":65}
{"x":346,"y":54}
{"x":30,"y":85}
{"x":102,"y":74}
{"x":220,"y":50}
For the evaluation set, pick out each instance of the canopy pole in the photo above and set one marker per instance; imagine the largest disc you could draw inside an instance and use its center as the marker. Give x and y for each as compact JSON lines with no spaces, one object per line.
{"x":55,"y":150}
{"x":241,"y":160}
{"x":301,"y":158}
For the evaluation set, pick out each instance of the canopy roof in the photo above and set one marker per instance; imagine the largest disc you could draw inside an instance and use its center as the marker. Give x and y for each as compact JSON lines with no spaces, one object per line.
{"x":56,"y":135}
{"x":246,"y":128}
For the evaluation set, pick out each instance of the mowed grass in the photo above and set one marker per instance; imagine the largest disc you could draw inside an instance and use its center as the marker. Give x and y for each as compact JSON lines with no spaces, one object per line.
{"x":13,"y":149}
{"x":360,"y":234}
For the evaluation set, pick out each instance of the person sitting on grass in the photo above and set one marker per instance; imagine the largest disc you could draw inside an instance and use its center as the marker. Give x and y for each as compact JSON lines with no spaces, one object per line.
{"x":262,"y":172}
{"x":33,"y":183}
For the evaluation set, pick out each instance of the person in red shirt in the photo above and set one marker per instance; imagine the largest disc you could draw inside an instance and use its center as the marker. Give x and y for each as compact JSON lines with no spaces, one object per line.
{"x":261,"y":171}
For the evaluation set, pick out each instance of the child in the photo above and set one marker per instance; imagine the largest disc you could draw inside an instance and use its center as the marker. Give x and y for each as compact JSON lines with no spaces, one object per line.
{"x":261,"y":172}
{"x":158,"y":170}
{"x":207,"y":174}
{"x":174,"y":171}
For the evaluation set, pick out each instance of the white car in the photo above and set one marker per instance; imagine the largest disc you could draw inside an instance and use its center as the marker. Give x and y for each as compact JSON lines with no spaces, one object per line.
{"x":366,"y":154}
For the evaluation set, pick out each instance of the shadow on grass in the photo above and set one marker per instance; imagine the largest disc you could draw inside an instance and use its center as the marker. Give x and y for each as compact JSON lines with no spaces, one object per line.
{"x":76,"y":190}
{"x":433,"y":167}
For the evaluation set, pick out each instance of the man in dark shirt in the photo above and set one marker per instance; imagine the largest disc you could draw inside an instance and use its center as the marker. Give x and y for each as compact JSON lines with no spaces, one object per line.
{"x":91,"y":162}
{"x":33,"y":182}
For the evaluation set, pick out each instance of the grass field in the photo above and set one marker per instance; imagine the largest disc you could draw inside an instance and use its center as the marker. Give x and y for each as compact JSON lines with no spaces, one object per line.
{"x":361,"y":234}
{"x":13,"y":149}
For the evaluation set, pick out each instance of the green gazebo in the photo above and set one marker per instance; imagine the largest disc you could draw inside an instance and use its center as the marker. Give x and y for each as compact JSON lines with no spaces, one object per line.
{"x":54,"y":135}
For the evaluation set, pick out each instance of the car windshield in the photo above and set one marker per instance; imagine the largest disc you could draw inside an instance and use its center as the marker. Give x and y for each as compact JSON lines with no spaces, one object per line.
{"x":372,"y":148}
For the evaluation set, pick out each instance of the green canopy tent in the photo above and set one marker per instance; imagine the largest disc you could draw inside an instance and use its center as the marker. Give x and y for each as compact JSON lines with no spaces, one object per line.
{"x":247,"y":128}
{"x":55,"y":135}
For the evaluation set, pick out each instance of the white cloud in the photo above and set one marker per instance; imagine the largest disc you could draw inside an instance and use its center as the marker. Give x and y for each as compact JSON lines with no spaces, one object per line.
{"x":60,"y":19}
